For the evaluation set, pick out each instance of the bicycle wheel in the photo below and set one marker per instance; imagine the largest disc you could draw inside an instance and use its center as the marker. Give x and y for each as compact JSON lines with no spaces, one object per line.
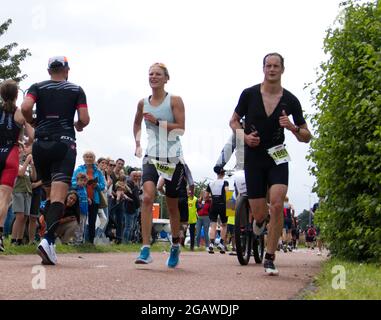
{"x":243,"y":230}
{"x":258,"y":248}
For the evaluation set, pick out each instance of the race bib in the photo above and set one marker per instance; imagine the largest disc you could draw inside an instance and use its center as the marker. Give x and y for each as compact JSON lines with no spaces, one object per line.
{"x":164,"y":169}
{"x":240,"y":182}
{"x":279,"y":154}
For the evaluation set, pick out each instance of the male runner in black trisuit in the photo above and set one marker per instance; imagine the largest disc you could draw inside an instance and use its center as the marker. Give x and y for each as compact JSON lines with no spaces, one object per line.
{"x":217,"y":189}
{"x":54,"y":147}
{"x":266,"y":108}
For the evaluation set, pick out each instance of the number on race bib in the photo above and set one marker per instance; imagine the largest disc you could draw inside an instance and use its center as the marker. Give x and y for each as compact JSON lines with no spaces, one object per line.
{"x":166,"y":170}
{"x":279,"y":154}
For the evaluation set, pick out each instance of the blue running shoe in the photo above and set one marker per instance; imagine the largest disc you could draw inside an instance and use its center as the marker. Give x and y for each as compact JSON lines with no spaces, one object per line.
{"x":144,"y":257}
{"x":173,"y":259}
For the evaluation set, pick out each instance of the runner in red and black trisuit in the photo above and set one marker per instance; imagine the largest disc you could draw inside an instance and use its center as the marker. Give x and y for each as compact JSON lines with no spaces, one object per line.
{"x":54,"y":148}
{"x":11,"y":123}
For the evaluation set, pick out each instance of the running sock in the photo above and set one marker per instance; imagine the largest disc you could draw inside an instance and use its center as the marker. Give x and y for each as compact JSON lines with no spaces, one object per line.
{"x":175,"y":240}
{"x":19,"y":242}
{"x":49,"y":238}
{"x":46,"y":208}
{"x":13,"y":241}
{"x":1,"y":231}
{"x":270,"y":256}
{"x":212,"y":241}
{"x":53,"y":216}
{"x":260,"y":224}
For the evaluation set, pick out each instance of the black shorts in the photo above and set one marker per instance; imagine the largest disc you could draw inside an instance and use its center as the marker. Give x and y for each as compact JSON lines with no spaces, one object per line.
{"x":218,"y":209}
{"x":35,"y":204}
{"x":172,"y":187}
{"x":184,"y":209}
{"x":261,"y":174}
{"x":287,"y":224}
{"x":230,"y":229}
{"x":55,"y":159}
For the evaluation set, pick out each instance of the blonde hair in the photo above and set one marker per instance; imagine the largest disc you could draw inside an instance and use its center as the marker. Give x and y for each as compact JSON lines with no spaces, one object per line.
{"x":120,"y":185}
{"x":161,"y":66}
{"x":87,"y":153}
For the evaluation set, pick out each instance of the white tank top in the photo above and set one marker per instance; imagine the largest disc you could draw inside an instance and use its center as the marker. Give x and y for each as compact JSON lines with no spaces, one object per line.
{"x":162,"y":144}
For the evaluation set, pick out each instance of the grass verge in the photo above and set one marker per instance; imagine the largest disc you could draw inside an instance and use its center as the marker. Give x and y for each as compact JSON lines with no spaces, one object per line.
{"x":85,"y":248}
{"x":343,"y":280}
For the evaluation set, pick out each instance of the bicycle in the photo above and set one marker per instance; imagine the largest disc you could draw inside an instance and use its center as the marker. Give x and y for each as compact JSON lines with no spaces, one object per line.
{"x":247,"y":243}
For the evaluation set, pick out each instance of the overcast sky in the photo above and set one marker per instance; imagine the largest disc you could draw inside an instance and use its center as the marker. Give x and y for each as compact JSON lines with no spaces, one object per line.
{"x":212,"y":48}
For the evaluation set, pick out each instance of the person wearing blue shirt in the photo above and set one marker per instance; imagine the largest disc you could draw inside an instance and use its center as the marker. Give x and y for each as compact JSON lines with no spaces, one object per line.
{"x":95,"y":184}
{"x":80,"y":188}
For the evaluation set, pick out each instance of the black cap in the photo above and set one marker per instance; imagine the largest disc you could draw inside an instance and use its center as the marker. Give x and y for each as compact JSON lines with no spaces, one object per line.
{"x":219,"y":170}
{"x":58,"y":61}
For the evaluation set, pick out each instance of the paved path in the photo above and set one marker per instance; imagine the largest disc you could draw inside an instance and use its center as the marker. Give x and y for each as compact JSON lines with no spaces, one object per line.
{"x":115,"y":276}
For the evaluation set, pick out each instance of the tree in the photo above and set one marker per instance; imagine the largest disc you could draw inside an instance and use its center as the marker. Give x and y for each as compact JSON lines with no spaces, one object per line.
{"x":200,"y":186}
{"x":347,"y":150}
{"x":10,"y":64}
{"x":303,"y":219}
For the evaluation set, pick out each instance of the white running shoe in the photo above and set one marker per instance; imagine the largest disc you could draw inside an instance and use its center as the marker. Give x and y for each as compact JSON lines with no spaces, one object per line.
{"x":222,"y":248}
{"x":270,"y":268}
{"x":47,"y":252}
{"x":258,"y":229}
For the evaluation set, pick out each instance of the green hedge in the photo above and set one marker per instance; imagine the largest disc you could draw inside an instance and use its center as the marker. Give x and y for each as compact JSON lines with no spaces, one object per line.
{"x":347,"y":149}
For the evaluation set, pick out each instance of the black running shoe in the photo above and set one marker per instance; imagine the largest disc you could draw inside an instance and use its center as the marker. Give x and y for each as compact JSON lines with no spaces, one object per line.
{"x":270,"y":268}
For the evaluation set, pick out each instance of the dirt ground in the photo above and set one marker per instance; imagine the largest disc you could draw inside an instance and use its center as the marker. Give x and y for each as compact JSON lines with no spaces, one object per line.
{"x":200,"y":276}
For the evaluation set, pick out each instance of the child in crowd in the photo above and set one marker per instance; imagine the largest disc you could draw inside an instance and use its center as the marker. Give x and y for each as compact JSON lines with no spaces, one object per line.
{"x":83,"y":206}
{"x":120,"y":190}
